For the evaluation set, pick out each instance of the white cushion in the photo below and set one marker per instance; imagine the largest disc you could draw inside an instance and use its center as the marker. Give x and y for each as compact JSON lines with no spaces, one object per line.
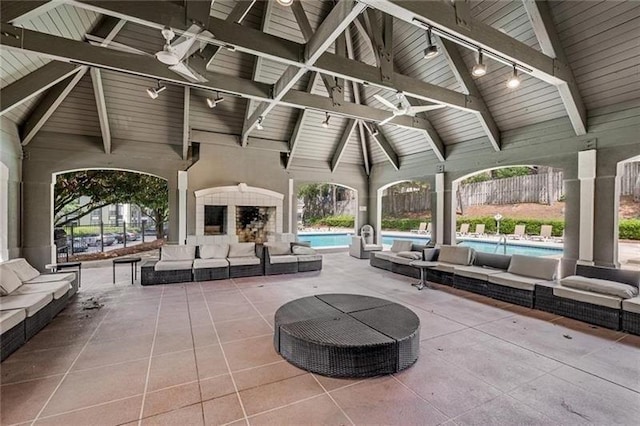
{"x":178,"y":253}
{"x":413,"y":255}
{"x":401,"y":260}
{"x":9,"y":319}
{"x":508,"y":279}
{"x":446,"y":267}
{"x":401,"y":245}
{"x":242,"y":250}
{"x":9,"y":281}
{"x":23,"y":270}
{"x":53,"y":278}
{"x":277,"y":249}
{"x":535,"y":267}
{"x":386,"y":255}
{"x":631,"y":305}
{"x":214,"y":251}
{"x":31,"y":303}
{"x":210,"y":263}
{"x":372,"y":247}
{"x":302,"y":250}
{"x":476,"y":272}
{"x":58,"y":289}
{"x":283,"y":258}
{"x":240,"y":261}
{"x":587,"y":297}
{"x":456,"y":255}
{"x":596,"y":285}
{"x":309,"y":257}
{"x":173,"y":265}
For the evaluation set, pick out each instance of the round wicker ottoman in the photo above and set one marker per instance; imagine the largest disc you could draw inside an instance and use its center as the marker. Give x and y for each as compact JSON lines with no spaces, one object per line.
{"x":347,"y":335}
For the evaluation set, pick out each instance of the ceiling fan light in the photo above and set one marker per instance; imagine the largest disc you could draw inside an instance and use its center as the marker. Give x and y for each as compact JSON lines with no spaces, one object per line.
{"x":285,"y":3}
{"x":431,"y":51}
{"x":479,"y":69}
{"x":166,"y":56}
{"x":513,"y":81}
{"x":325,"y":123}
{"x":259,"y":124}
{"x":211,"y":103}
{"x":153,"y":92}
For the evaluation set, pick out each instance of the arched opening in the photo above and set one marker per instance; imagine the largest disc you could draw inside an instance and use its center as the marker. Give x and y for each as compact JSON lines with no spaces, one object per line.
{"x":627,"y":228}
{"x":4,"y":212}
{"x":510,"y":210}
{"x":404,"y":210}
{"x":327,"y":214}
{"x":107,"y":210}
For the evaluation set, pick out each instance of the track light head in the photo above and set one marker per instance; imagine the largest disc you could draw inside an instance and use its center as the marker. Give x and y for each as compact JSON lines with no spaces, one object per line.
{"x":325,"y":123}
{"x":285,"y":3}
{"x":259,"y":124}
{"x":432,"y":50}
{"x":479,"y":69}
{"x":212,"y":103}
{"x":513,"y":81}
{"x":153,"y":92}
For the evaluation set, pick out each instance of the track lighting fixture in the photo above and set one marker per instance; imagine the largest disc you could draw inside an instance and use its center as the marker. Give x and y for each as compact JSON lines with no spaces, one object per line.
{"x":514,"y":80}
{"x":432,"y":50}
{"x":213,"y":102}
{"x":325,"y":123}
{"x":153,"y":92}
{"x":285,"y":3}
{"x":479,"y":69}
{"x":259,"y":124}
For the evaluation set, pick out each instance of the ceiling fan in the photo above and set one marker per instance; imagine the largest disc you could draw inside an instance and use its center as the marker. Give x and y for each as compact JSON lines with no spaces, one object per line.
{"x":403,"y":107}
{"x":172,"y":54}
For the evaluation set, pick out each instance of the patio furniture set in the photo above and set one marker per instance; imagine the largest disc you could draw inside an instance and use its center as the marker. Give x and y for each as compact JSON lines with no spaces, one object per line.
{"x":223,"y":258}
{"x":602,"y":296}
{"x":29,"y":301}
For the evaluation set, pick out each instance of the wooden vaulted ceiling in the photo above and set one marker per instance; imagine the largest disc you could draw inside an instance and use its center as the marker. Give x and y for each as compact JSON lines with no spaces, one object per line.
{"x":598,"y":40}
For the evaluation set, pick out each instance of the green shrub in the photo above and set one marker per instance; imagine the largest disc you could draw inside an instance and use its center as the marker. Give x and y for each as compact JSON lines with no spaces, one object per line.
{"x":629,"y":229}
{"x":392,"y":224}
{"x":341,"y":221}
{"x":508,"y":225}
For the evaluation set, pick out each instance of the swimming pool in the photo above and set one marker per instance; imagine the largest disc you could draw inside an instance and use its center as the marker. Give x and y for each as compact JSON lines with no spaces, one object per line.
{"x":343,"y":240}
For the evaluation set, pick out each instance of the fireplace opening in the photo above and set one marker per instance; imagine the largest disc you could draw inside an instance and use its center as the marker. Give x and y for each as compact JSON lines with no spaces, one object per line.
{"x":253,"y":223}
{"x":215,"y":220}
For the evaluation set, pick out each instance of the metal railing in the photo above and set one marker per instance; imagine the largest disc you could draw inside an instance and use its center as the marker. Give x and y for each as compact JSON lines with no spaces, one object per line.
{"x":503,"y":241}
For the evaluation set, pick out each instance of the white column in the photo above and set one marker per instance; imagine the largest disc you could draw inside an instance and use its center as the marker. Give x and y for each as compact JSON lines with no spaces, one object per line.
{"x":587,"y":176}
{"x":54,"y":251}
{"x":439,"y":208}
{"x":183,"y":183}
{"x":4,"y":212}
{"x":293,"y":216}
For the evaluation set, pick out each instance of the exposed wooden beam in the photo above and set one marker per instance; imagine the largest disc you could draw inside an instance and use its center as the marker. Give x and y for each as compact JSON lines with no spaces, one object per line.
{"x":48,"y":105}
{"x":342,"y":144}
{"x":334,"y":24}
{"x":185,"y":122}
{"x":547,"y":35}
{"x":385,"y":146}
{"x":34,"y":83}
{"x":461,"y":72}
{"x":101,"y":105}
{"x":198,"y":12}
{"x":297,"y":130}
{"x":22,"y":10}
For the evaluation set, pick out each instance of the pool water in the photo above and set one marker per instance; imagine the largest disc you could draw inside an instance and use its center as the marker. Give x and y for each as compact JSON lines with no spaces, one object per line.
{"x":343,"y":240}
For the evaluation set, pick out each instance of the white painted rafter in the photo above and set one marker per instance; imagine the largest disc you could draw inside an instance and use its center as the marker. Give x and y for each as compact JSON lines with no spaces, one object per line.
{"x":101,"y":106}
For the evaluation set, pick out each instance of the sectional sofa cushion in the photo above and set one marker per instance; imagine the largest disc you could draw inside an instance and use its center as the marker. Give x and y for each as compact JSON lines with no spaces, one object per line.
{"x":612,"y":288}
{"x":214,"y":251}
{"x":508,"y":279}
{"x":9,"y":280}
{"x":23,"y":270}
{"x":430,"y":254}
{"x":210,"y":263}
{"x":31,"y":303}
{"x":631,"y":305}
{"x":401,"y":245}
{"x":372,"y":247}
{"x":172,"y":253}
{"x":491,"y":260}
{"x":173,"y":265}
{"x":57,"y":289}
{"x":385,"y":255}
{"x":476,"y":272}
{"x":279,"y":249}
{"x":242,"y":250}
{"x":413,"y":255}
{"x":534,"y":267}
{"x":9,"y":319}
{"x":52,"y":278}
{"x":244,"y":261}
{"x":309,"y":257}
{"x":283,"y":258}
{"x":587,"y":297}
{"x":399,"y":260}
{"x":302,"y":250}
{"x":456,"y":255}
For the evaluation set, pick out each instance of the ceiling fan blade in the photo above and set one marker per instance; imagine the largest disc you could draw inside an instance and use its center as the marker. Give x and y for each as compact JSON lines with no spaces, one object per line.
{"x":385,"y":102}
{"x":182,"y":46}
{"x":114,"y":45}
{"x":386,"y":120}
{"x":417,"y":109}
{"x":187,"y":73}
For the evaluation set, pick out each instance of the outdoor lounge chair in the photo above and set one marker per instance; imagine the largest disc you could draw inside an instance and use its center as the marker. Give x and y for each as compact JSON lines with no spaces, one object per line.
{"x":479,"y":232}
{"x":518,"y":232}
{"x":464,"y":230}
{"x":362,"y":245}
{"x":545,"y":233}
{"x":422,"y":228}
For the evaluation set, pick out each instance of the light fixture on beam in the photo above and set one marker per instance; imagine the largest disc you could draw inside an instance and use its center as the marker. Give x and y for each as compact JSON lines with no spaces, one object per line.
{"x":153,"y":92}
{"x":479,"y":69}
{"x":325,"y":123}
{"x":213,"y":102}
{"x":513,"y":81}
{"x":285,"y":3}
{"x":259,"y":123}
{"x":432,"y":50}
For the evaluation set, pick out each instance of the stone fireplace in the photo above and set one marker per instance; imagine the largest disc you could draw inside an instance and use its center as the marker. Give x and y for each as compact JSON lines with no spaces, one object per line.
{"x":247,"y":212}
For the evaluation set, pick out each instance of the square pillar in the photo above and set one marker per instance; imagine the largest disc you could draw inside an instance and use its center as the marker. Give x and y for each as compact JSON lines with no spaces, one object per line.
{"x":183,"y":184}
{"x":587,"y":176}
{"x":439,"y":216}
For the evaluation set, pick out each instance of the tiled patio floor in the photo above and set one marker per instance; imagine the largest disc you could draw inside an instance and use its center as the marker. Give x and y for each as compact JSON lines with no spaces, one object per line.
{"x":202,"y":353}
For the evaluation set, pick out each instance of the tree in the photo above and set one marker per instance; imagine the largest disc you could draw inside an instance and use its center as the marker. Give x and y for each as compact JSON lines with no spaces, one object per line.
{"x":320,"y":200}
{"x":153,"y":199}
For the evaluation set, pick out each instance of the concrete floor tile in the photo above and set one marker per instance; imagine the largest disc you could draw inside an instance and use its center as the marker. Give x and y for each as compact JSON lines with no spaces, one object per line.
{"x":112,"y":413}
{"x":266,"y":374}
{"x":262,"y":352}
{"x":169,"y":399}
{"x":503,"y":410}
{"x":279,"y":393}
{"x":187,"y":416}
{"x":316,"y":411}
{"x":172,"y":369}
{"x":23,"y":401}
{"x":243,"y":329}
{"x":225,"y":409}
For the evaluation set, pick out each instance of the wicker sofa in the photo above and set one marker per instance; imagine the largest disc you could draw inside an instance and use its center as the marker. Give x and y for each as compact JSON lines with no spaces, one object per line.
{"x":29,"y":301}
{"x":290,"y":258}
{"x":398,"y":258}
{"x":449,"y":258}
{"x":603,"y":296}
{"x":475,"y":277}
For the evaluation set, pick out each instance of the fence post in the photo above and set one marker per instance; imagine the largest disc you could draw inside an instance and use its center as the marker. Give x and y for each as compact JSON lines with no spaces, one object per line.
{"x":124,"y":232}
{"x":144,"y":222}
{"x":101,"y":236}
{"x":72,"y":241}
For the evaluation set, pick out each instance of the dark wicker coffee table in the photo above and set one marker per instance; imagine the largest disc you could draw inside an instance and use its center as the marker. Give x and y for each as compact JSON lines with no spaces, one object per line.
{"x":347,"y":335}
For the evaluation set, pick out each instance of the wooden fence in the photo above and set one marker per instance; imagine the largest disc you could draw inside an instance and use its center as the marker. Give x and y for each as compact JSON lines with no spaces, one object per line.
{"x":630,"y":180}
{"x":407,"y":202}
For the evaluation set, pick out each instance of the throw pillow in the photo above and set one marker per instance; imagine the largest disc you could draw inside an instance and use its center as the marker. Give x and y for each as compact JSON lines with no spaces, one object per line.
{"x":242,"y":250}
{"x":9,"y":281}
{"x":23,"y":270}
{"x":624,"y":291}
{"x":413,"y":255}
{"x":430,"y":254}
{"x":401,"y":245}
{"x":302,"y":250}
{"x":277,"y":249}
